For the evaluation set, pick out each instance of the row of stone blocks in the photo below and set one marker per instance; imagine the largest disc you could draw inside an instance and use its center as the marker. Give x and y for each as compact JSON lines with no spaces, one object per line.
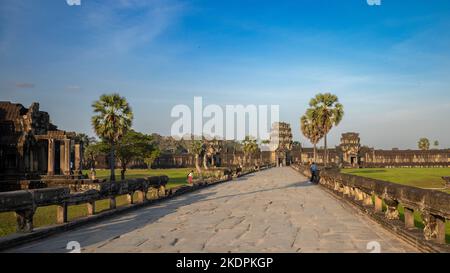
{"x":384,"y":198}
{"x":25,"y":202}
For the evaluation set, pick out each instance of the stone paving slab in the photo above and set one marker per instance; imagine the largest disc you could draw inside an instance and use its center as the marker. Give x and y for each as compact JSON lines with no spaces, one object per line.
{"x":275,"y":210}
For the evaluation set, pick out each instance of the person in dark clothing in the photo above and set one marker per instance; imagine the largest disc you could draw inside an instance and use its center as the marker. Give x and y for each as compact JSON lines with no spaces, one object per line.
{"x":313,"y":168}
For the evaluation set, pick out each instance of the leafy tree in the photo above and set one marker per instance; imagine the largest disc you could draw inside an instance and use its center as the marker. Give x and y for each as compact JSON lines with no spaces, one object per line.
{"x":149,"y":159}
{"x":133,"y":146}
{"x":296,"y":145}
{"x":93,"y":150}
{"x":436,"y":144}
{"x":212,"y":147}
{"x":113,"y":118}
{"x":327,"y":112}
{"x":424,"y":144}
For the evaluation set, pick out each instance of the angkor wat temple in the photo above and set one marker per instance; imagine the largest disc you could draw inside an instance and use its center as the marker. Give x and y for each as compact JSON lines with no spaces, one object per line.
{"x":349,"y":154}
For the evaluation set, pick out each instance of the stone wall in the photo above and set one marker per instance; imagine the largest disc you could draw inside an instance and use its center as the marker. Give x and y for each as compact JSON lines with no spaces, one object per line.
{"x":350,"y":154}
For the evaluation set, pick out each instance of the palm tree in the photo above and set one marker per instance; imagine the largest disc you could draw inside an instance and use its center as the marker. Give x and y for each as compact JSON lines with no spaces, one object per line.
{"x":84,"y":139}
{"x":113,"y":118}
{"x":424,"y":144}
{"x":249,"y":147}
{"x":311,"y":130}
{"x":197,"y":150}
{"x":328,"y":112}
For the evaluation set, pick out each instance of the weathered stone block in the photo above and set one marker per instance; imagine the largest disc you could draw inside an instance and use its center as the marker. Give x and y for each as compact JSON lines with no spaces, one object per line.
{"x":15,"y":200}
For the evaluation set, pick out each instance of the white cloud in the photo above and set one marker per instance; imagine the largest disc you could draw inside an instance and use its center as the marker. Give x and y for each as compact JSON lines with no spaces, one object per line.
{"x":121,"y":26}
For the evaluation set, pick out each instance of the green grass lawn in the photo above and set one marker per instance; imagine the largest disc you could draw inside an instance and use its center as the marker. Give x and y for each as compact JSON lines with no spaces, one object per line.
{"x":47,"y":215}
{"x":177,"y":176}
{"x":417,"y":177}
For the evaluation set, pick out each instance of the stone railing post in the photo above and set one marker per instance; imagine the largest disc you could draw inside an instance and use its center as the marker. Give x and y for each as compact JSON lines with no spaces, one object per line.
{"x":140,"y":196}
{"x":25,"y":220}
{"x":434,"y":229}
{"x":378,"y":204}
{"x":161,"y":191}
{"x":112,"y":202}
{"x":409,"y":217}
{"x":61,"y":213}
{"x":359,"y":196}
{"x":391,"y":211}
{"x":346,"y":190}
{"x":90,"y":208}
{"x":367,"y":201}
{"x":336,"y":186}
{"x":130,"y":198}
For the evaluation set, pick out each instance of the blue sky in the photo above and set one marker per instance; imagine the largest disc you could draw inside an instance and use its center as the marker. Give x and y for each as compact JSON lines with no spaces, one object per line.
{"x":388,"y":64}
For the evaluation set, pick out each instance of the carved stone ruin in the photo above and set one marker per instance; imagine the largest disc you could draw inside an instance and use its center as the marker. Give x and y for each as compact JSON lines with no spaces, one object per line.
{"x":32,"y":148}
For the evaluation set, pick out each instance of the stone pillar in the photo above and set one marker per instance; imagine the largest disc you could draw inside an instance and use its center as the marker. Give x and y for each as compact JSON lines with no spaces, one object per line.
{"x":161,"y":191}
{"x":61,"y":214}
{"x":90,"y":208}
{"x":140,"y":196}
{"x":347,"y":190}
{"x":112,"y":202}
{"x":391,"y":210}
{"x":440,"y":229}
{"x":78,"y":158}
{"x":434,"y":228}
{"x":25,"y":221}
{"x":378,"y":204}
{"x":130,"y":198}
{"x":51,"y":157}
{"x":62,"y":157}
{"x":409,"y":217}
{"x":67,"y":156}
{"x":367,"y":200}
{"x":358,"y":195}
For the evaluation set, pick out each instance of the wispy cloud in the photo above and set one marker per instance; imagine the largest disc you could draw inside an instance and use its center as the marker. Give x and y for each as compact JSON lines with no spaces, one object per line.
{"x":25,"y":85}
{"x":73,"y":87}
{"x":124,"y":25}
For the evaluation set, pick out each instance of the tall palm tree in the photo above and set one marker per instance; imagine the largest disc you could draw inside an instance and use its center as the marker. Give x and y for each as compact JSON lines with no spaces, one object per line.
{"x":113,"y":118}
{"x":311,"y":130}
{"x":328,"y":112}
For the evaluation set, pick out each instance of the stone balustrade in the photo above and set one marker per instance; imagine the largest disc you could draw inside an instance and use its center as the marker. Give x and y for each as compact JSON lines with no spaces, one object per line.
{"x":384,"y":199}
{"x":447,"y":181}
{"x":25,"y":202}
